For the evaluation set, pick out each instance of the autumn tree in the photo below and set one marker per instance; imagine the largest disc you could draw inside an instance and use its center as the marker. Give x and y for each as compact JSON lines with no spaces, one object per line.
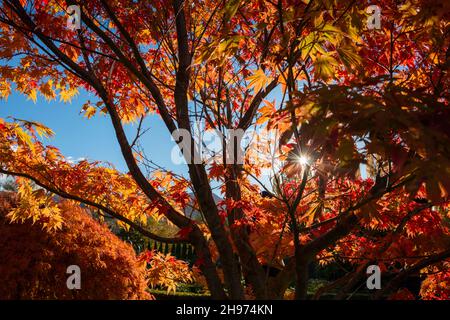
{"x":35,"y":254}
{"x":323,"y":88}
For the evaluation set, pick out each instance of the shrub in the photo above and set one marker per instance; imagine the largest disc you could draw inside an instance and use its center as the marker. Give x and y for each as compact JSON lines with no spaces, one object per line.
{"x":34,"y":260}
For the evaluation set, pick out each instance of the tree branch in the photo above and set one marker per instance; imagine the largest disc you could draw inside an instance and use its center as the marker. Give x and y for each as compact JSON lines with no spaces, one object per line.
{"x":105,"y":209}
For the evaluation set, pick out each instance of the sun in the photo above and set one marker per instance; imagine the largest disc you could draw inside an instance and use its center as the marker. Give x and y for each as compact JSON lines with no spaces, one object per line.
{"x":303,"y":160}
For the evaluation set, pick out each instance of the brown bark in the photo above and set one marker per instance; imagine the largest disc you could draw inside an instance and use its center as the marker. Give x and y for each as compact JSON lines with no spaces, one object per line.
{"x":251,"y":268}
{"x":197,"y":172}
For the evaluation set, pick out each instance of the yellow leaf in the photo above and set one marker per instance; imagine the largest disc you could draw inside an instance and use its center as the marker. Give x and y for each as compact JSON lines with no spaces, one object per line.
{"x":266,"y":112}
{"x":310,"y":215}
{"x":43,"y":131}
{"x":349,"y":57}
{"x":5,"y":89}
{"x":67,"y":95}
{"x":33,"y":95}
{"x":24,"y":137}
{"x":90,"y":112}
{"x":228,"y":44}
{"x":306,"y":44}
{"x":324,"y":67}
{"x":258,"y":80}
{"x":231,"y":8}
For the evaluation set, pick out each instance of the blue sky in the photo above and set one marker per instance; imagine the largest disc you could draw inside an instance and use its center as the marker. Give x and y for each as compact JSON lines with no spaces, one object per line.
{"x":94,"y":139}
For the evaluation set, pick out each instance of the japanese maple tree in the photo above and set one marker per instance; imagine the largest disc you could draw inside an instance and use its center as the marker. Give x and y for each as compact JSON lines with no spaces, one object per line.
{"x":352,"y":125}
{"x":35,"y":258}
